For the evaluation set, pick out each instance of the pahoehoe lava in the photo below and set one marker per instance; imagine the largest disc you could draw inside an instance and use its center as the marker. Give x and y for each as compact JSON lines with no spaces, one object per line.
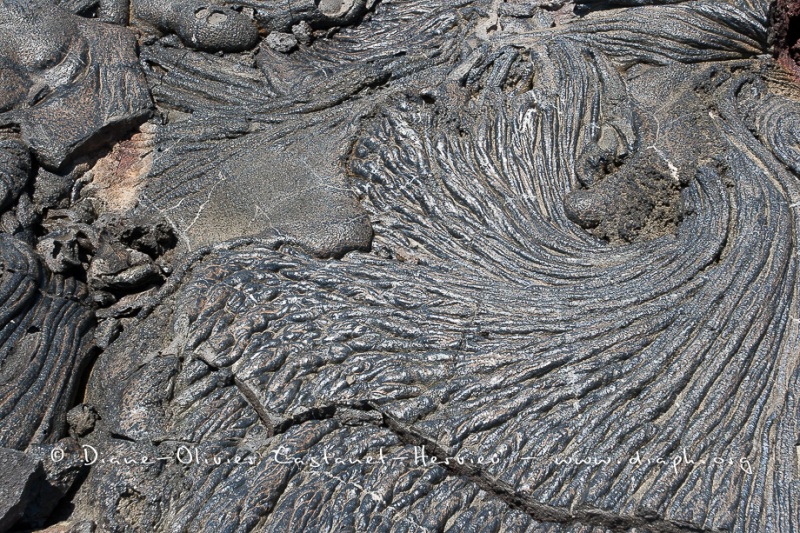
{"x":297,"y":250}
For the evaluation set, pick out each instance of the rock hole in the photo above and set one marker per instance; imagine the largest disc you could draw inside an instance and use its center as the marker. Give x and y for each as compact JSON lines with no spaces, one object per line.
{"x":785,"y":33}
{"x":793,"y":32}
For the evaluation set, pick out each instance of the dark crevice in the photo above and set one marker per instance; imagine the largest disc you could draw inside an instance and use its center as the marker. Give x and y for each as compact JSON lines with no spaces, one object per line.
{"x":527,"y":504}
{"x":250,"y":397}
{"x":490,"y":484}
{"x":66,"y":506}
{"x":277,"y":424}
{"x":83,"y":374}
{"x":585,"y":7}
{"x":784,"y":33}
{"x":119,"y":436}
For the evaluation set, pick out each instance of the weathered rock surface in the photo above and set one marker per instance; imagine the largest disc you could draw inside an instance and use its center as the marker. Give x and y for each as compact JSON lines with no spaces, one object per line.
{"x":19,"y":474}
{"x":199,"y":24}
{"x":413,"y":266}
{"x":46,"y":341}
{"x":77,"y":82}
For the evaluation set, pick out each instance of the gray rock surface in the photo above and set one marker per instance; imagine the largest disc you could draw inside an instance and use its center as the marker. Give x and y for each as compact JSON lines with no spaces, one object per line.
{"x":199,"y":24}
{"x":415,"y":266}
{"x":281,"y":42}
{"x":46,"y":336}
{"x":19,"y":475}
{"x":67,"y":67}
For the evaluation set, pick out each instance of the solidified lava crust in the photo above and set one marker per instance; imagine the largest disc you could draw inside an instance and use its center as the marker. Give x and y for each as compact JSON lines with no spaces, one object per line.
{"x":399,"y":265}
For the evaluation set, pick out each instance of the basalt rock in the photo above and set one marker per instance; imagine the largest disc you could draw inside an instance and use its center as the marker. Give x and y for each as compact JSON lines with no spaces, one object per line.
{"x":46,"y":343}
{"x":18,"y":476}
{"x":201,"y":25}
{"x":73,"y":82}
{"x":61,"y":464}
{"x":420,"y":266}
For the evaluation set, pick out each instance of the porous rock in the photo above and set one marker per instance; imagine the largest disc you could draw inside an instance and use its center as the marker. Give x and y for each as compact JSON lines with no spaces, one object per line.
{"x":517,"y":273}
{"x":282,"y":42}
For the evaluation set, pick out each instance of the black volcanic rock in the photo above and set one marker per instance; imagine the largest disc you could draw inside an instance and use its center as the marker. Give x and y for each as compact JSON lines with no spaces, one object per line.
{"x":19,"y":474}
{"x":401,"y":265}
{"x":81,"y":79}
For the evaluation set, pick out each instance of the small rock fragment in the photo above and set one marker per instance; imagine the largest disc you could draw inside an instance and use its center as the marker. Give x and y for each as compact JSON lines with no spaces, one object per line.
{"x":107,"y":332}
{"x":116,"y":267}
{"x":67,"y":249}
{"x":302,"y":32}
{"x":51,"y":189}
{"x":282,"y":42}
{"x":81,"y":419}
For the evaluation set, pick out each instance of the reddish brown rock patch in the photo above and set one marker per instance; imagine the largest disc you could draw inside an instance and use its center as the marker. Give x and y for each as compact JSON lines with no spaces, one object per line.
{"x":786,"y":34}
{"x":118,"y":177}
